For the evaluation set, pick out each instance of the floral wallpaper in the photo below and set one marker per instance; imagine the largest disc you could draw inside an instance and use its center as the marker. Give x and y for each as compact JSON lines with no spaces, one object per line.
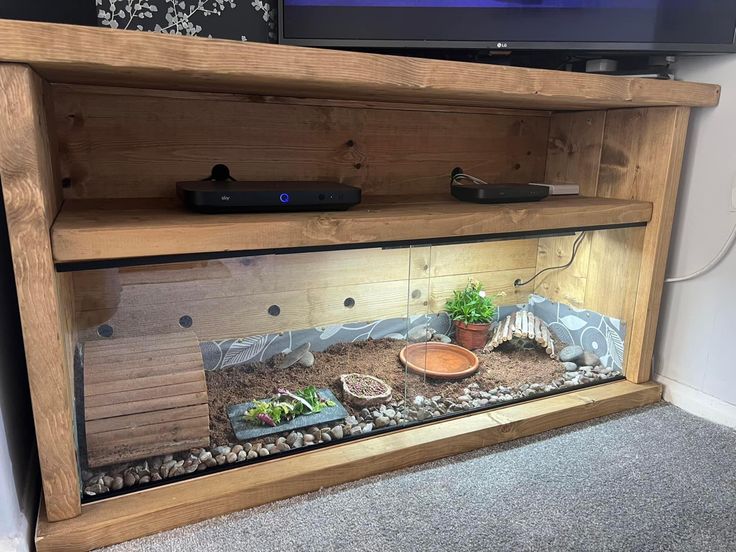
{"x":593,"y":331}
{"x":252,"y":20}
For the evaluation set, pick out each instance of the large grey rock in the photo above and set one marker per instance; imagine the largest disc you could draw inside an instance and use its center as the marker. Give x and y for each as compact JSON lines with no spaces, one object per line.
{"x":588,"y":359}
{"x":381,"y":421}
{"x":421,"y":333}
{"x":307,"y":360}
{"x":570,"y":366}
{"x":571,"y":353}
{"x":294,"y":356}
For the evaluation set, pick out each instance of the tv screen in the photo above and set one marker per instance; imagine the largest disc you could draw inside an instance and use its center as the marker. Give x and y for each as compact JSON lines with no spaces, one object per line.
{"x":671,"y":26}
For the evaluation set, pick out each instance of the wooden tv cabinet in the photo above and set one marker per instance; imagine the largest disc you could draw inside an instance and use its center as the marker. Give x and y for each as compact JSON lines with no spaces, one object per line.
{"x":96,"y":125}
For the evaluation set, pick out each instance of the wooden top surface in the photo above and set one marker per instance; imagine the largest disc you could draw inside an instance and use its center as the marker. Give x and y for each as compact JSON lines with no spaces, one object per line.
{"x":87,"y":55}
{"x":89,"y":230}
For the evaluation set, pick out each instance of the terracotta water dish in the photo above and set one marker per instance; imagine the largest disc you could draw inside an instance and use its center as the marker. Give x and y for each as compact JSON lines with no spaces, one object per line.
{"x":439,"y":360}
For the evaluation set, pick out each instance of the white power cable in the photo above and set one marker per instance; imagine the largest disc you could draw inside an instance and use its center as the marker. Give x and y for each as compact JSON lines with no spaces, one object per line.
{"x":459,"y":177}
{"x":711,"y":265}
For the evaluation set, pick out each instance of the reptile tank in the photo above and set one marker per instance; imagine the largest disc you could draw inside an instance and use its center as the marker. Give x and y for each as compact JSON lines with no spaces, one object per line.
{"x":186,"y":368}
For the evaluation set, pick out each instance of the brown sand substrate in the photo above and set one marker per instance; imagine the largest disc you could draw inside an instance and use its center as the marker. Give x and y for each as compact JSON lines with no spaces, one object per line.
{"x":378,"y":358}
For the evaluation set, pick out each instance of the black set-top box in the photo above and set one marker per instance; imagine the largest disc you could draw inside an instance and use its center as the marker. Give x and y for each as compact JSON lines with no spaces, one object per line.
{"x":499,"y":193}
{"x":207,"y":196}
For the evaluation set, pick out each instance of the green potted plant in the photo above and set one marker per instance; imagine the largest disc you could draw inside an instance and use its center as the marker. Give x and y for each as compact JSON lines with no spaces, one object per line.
{"x":471,"y":310}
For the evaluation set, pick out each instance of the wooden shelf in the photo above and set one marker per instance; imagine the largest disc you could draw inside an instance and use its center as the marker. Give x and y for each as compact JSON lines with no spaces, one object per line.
{"x":145,"y":512}
{"x":89,"y":230}
{"x":84,"y":55}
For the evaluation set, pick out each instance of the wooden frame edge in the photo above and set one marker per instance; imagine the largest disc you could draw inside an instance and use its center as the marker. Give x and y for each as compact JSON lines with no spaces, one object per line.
{"x":67,"y":53}
{"x":32,"y":195}
{"x":163,"y":508}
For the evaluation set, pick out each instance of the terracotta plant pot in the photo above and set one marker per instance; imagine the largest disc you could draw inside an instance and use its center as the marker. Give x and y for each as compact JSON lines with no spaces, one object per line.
{"x":471,"y":336}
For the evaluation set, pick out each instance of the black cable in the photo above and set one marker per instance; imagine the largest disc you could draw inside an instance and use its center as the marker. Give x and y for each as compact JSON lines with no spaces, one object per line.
{"x":575,"y":247}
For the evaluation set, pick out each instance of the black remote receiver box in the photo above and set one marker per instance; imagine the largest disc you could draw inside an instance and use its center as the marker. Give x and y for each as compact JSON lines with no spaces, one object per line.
{"x":498,"y":193}
{"x":207,"y":196}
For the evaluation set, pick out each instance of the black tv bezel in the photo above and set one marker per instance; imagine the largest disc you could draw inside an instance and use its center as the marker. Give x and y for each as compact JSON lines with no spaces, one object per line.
{"x":510,"y":46}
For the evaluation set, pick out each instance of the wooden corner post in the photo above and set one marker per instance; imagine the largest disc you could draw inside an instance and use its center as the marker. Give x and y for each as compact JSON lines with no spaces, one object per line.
{"x":32,"y":198}
{"x":641,"y":159}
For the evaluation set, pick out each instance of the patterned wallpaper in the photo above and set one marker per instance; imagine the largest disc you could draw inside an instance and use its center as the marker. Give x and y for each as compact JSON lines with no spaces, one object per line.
{"x":252,"y":20}
{"x":593,"y":331}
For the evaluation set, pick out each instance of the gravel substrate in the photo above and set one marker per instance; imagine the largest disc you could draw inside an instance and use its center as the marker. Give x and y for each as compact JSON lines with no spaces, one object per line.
{"x":502,"y":377}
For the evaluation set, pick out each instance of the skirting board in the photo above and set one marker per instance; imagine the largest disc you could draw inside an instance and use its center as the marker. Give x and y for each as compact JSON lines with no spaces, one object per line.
{"x":151,"y":511}
{"x":697,"y":403}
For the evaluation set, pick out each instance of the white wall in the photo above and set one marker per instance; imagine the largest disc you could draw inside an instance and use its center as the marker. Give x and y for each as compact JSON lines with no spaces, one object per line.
{"x":696,"y":351}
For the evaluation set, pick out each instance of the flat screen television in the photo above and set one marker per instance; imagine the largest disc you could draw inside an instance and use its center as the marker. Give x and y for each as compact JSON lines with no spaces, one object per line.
{"x":666,"y":26}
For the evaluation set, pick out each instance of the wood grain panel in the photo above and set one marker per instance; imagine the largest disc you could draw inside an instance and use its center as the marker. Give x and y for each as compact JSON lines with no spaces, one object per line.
{"x":180,"y":402}
{"x":642,"y":159}
{"x":574,"y":151}
{"x":32,"y":198}
{"x":75,"y":54}
{"x":107,"y":442}
{"x":171,"y":407}
{"x":146,"y":512}
{"x":239,"y":316}
{"x":613,"y":272}
{"x":155,"y":284}
{"x":85,"y":231}
{"x":486,"y":256}
{"x":232,"y":296}
{"x":567,"y":286}
{"x":113,"y":147}
{"x":112,"y":455}
{"x":139,"y":420}
{"x":93,"y":389}
{"x":497,"y":282}
{"x":143,"y":393}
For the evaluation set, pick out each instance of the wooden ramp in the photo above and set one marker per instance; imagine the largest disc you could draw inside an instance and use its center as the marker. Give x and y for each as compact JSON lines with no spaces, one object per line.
{"x":144,"y":396}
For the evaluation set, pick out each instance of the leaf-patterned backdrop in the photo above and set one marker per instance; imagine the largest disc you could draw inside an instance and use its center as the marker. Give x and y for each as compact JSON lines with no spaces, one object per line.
{"x":252,"y":20}
{"x":595,"y":332}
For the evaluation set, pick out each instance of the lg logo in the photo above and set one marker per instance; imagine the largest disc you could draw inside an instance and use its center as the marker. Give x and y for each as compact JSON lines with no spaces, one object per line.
{"x":502,"y":45}
{"x":225,"y":198}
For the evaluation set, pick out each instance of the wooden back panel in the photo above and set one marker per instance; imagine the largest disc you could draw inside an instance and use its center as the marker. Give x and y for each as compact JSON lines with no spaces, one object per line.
{"x":138,"y":143}
{"x":231,"y":297}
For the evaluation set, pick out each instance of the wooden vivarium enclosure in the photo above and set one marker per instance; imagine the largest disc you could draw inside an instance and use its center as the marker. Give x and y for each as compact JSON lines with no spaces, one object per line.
{"x":144,"y":324}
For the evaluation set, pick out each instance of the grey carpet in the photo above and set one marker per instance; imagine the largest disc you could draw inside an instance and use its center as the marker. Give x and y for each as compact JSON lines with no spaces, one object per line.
{"x":652,"y":479}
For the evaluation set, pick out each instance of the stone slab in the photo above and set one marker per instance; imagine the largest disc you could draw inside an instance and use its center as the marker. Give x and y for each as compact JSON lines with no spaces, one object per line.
{"x":247,"y":431}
